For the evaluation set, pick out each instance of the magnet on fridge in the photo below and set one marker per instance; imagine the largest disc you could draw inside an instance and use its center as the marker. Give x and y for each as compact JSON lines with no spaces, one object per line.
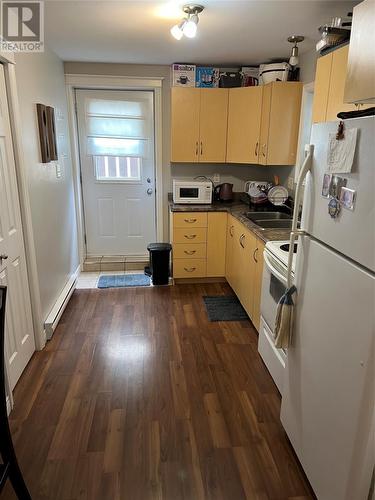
{"x":326,"y":185}
{"x":347,"y":198}
{"x":334,"y":207}
{"x":335,"y":186}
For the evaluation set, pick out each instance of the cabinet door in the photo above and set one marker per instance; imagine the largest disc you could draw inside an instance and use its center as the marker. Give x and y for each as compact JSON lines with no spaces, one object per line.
{"x":321,"y":88}
{"x":229,"y":250}
{"x":235,"y":265}
{"x":244,"y":118}
{"x":337,"y":84}
{"x":247,"y":267}
{"x":258,"y":261}
{"x":216,"y":243}
{"x":360,"y":79}
{"x":213,"y":125}
{"x":284,"y":123}
{"x":265,"y":123}
{"x":185,"y":124}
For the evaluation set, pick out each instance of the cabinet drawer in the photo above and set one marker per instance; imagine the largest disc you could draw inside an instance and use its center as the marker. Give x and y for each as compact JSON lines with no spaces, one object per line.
{"x":189,"y":268}
{"x":190,"y":219}
{"x":189,"y":251}
{"x":190,"y":235}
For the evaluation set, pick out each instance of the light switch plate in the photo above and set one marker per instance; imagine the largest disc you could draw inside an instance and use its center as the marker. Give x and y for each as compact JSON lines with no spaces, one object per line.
{"x":58,"y":171}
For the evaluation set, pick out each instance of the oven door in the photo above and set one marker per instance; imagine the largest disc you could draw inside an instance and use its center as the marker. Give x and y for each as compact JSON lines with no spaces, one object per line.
{"x":273,"y":287}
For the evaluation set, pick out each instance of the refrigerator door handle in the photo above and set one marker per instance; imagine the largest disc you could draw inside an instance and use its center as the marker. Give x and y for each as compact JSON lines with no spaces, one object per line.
{"x":309,"y":151}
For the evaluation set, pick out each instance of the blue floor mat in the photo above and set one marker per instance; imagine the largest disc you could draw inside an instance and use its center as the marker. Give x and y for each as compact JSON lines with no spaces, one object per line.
{"x":123,"y":280}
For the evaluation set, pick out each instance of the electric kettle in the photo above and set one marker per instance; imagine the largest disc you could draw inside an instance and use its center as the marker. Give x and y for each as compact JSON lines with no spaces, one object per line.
{"x":223,"y":192}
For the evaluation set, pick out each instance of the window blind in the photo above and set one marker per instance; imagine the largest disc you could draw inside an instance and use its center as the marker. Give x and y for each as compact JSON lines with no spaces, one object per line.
{"x":120,"y":127}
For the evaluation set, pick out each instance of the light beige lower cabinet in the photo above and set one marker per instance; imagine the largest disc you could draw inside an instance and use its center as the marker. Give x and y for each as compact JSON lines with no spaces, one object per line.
{"x":215,"y":244}
{"x":244,"y":267}
{"x":199,"y":241}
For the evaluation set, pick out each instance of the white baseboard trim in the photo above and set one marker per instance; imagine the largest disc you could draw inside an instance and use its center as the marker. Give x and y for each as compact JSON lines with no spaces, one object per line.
{"x":60,"y":304}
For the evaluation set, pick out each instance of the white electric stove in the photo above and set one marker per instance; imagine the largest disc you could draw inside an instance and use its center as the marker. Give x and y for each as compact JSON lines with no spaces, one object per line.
{"x":274,"y":283}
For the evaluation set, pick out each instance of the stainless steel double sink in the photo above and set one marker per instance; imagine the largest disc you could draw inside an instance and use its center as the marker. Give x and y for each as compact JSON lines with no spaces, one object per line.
{"x":270,"y":220}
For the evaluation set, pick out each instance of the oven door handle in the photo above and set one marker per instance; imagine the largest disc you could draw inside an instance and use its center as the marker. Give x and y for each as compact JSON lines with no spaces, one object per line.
{"x":274,"y":271}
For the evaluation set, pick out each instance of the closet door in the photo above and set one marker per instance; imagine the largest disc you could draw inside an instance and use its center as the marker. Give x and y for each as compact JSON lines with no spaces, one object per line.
{"x":19,"y":335}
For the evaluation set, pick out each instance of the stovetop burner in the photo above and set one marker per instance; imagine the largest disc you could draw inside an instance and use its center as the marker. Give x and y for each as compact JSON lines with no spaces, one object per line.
{"x":286,"y":247}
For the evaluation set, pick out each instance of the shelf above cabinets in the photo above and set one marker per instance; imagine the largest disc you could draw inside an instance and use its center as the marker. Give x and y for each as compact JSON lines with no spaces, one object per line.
{"x":251,"y":125}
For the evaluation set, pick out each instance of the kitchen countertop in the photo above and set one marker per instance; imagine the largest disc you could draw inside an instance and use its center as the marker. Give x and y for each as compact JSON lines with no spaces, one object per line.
{"x":236,"y":208}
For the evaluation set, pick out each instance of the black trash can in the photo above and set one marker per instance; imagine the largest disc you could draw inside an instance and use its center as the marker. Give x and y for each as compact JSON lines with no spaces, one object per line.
{"x":159,"y":263}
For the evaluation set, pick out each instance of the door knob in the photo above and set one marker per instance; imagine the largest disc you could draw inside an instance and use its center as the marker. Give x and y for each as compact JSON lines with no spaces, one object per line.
{"x":149,"y":191}
{"x":3,"y":257}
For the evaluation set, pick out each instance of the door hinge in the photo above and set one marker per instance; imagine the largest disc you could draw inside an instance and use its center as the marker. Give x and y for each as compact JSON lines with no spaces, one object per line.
{"x":85,"y":239}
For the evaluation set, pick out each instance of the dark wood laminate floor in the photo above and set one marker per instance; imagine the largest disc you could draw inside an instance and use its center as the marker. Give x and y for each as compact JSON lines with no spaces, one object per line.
{"x":138,"y":396}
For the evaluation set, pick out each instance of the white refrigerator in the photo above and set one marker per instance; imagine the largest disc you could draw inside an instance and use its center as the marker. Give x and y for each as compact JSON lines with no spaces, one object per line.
{"x":327,"y":405}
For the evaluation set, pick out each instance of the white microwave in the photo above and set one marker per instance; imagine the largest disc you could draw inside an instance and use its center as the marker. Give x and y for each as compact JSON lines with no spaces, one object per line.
{"x":192,"y":192}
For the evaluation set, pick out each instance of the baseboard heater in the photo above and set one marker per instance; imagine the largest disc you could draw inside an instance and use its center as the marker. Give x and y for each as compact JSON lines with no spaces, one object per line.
{"x":54,"y":316}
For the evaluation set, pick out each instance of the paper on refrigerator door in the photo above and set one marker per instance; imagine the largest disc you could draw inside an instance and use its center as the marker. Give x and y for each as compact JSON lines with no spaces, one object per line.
{"x":341,"y":152}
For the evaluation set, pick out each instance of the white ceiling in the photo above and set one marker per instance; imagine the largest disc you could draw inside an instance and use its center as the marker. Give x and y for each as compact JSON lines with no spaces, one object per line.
{"x":229,"y":32}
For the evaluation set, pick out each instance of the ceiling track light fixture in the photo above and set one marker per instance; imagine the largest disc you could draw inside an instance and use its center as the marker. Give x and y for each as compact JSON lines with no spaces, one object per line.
{"x":189,"y":24}
{"x":295,"y":39}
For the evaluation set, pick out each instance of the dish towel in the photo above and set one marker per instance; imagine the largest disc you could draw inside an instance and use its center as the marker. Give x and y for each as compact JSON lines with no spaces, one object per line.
{"x":284,"y":319}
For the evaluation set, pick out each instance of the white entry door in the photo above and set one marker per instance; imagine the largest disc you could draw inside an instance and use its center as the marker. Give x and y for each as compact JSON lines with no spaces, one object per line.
{"x":19,"y":337}
{"x":116,"y":138}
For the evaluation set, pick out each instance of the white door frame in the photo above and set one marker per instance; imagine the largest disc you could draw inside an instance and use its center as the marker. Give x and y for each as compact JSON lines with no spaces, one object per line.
{"x":104,"y":82}
{"x":7,"y":59}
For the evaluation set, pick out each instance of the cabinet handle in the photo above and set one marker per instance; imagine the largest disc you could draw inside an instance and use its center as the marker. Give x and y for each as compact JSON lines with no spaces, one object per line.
{"x":242,"y":237}
{"x":256,"y":149}
{"x":189,"y":252}
{"x":201,"y":148}
{"x":263,"y":150}
{"x":196,"y":148}
{"x":254,"y":255}
{"x":231,"y":230}
{"x":190,"y":221}
{"x":190,"y":269}
{"x":190,"y":236}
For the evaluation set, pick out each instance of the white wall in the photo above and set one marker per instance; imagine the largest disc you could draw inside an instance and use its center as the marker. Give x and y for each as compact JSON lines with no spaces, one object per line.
{"x":307,"y":64}
{"x":40,"y":79}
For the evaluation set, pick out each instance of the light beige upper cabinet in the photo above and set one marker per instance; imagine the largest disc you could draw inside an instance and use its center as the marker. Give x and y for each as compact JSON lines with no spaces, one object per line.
{"x":339,"y":67}
{"x":244,"y":118}
{"x":199,"y":125}
{"x":213,"y":125}
{"x":281,"y":108}
{"x":185,"y":124}
{"x":321,"y":88}
{"x":329,"y":86}
{"x":360,"y":79}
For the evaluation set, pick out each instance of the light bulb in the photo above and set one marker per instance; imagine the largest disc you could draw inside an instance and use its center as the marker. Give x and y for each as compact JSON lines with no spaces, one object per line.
{"x":293,"y":61}
{"x":190,"y":28}
{"x":177,"y":30}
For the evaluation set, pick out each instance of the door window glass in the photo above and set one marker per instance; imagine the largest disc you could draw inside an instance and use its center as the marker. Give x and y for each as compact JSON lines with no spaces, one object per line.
{"x":117,"y":168}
